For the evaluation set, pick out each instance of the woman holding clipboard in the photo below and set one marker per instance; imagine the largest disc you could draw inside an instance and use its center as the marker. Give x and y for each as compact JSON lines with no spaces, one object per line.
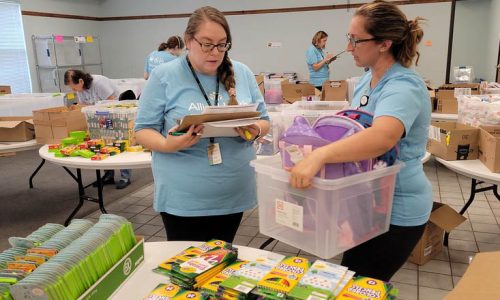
{"x":318,"y":60}
{"x":202,"y":185}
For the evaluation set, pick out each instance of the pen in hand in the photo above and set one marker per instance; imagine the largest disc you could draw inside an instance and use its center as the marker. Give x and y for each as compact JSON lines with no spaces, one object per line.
{"x":179,"y":133}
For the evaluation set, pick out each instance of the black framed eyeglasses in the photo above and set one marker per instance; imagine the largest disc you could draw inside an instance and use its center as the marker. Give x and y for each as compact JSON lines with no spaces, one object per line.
{"x":354,"y":41}
{"x":208,"y":47}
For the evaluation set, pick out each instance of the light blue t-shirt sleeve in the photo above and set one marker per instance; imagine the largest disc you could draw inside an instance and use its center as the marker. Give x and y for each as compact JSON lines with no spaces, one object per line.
{"x":152,"y":105}
{"x":401,"y":99}
{"x":146,"y":64}
{"x":311,"y":56}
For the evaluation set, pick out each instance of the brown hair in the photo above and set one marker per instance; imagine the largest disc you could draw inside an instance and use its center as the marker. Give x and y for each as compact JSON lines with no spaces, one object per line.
{"x":385,"y":21}
{"x":318,"y":36}
{"x":172,"y":43}
{"x":225,"y":71}
{"x":74,"y":76}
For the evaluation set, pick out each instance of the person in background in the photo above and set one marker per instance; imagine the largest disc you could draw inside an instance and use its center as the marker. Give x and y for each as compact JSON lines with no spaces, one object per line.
{"x":318,"y":61}
{"x":90,"y":89}
{"x":202,"y":185}
{"x":166,"y":52}
{"x":381,"y":38}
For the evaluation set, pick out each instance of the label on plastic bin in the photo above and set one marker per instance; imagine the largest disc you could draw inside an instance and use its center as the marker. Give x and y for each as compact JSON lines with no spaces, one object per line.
{"x":290,"y":215}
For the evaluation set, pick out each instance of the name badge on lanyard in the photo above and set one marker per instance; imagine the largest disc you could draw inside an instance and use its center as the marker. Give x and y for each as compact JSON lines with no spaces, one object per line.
{"x":213,"y":149}
{"x":364,"y":100}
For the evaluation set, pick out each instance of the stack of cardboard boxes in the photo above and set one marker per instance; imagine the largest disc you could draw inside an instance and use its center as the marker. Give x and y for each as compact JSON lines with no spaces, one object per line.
{"x":445,"y":96}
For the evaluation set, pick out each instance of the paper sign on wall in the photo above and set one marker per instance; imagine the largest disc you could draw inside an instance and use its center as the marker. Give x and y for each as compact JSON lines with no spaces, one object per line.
{"x":80,"y":39}
{"x":274,"y":45}
{"x":59,"y":38}
{"x":90,"y":39}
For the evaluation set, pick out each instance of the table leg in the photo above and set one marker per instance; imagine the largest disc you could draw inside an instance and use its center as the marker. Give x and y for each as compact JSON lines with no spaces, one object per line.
{"x":99,"y":192}
{"x":35,"y":172}
{"x":473,"y":191}
{"x":81,"y":194}
{"x":266,"y":243}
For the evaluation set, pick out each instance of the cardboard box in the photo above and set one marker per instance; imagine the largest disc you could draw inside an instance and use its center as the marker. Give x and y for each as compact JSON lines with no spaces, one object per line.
{"x":119,"y":273}
{"x":480,"y":280}
{"x":54,"y":124}
{"x":446,"y":100}
{"x":443,"y":218}
{"x":334,"y":90}
{"x":432,"y":98}
{"x":453,"y":141}
{"x":489,"y":147}
{"x":295,"y":91}
{"x":5,"y":89}
{"x":16,"y":129}
{"x":260,"y":83}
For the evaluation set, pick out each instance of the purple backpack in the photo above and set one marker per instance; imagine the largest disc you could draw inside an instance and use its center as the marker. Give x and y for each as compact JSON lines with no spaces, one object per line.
{"x":301,"y":138}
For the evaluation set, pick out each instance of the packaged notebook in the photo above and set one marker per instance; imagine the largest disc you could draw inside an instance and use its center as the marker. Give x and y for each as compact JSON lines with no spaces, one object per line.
{"x":195,"y":272}
{"x":164,"y":291}
{"x":319,"y":282}
{"x":366,"y":288}
{"x":209,"y":289}
{"x":165,"y":267}
{"x":282,"y":278}
{"x":242,"y":282}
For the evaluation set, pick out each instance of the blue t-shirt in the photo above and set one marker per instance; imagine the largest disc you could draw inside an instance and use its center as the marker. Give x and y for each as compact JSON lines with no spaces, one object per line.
{"x":402,"y":94}
{"x":185,"y":183}
{"x":157,"y":58}
{"x":313,"y":56}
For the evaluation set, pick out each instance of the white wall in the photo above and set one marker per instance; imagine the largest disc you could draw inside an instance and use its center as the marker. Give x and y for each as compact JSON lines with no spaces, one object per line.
{"x":126,"y":43}
{"x":492,"y":43}
{"x":43,"y":25}
{"x":471,"y":35}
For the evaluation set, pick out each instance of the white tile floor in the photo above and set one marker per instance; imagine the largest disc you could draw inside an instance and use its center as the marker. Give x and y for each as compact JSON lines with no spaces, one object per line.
{"x":481,"y":232}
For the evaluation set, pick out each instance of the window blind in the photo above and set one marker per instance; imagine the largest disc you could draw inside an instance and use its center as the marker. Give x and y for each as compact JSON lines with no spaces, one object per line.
{"x":14,"y":69}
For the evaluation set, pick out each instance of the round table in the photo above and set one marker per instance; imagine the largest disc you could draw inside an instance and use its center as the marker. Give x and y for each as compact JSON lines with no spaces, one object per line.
{"x":444,"y":117}
{"x":6,"y":147}
{"x":479,"y":174}
{"x":125,"y":160}
{"x":144,"y":280}
{"x":426,"y":157}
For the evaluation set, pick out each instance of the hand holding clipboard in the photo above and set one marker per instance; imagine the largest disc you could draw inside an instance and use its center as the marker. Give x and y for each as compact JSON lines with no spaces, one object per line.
{"x":335,"y":56}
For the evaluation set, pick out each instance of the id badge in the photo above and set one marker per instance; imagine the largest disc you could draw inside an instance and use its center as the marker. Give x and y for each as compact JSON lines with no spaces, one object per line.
{"x":214,"y":155}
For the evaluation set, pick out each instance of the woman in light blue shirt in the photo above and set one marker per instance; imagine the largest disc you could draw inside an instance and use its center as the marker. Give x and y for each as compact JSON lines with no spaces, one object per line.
{"x":318,"y":61}
{"x":381,"y":38}
{"x":202,"y":186}
{"x":166,"y":52}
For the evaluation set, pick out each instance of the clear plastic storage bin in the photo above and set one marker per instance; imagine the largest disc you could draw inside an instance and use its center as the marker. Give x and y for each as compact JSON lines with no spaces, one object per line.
{"x":111,"y":120}
{"x":330,"y":217}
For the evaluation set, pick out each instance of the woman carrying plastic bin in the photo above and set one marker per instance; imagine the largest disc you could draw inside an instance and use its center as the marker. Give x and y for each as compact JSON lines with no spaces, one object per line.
{"x":90,"y":89}
{"x":166,"y":52}
{"x":202,"y":186}
{"x":381,"y":38}
{"x":318,"y":61}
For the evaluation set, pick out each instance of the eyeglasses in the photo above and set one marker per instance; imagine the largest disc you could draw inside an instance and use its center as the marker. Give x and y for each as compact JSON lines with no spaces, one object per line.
{"x":353,"y":41}
{"x":208,"y":47}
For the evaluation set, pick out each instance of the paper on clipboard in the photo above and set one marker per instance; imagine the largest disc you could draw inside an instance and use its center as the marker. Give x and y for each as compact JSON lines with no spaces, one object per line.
{"x":225,"y":128}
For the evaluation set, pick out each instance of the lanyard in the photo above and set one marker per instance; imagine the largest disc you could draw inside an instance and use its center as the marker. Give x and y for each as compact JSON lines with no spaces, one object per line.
{"x":212,"y":140}
{"x":201,"y":86}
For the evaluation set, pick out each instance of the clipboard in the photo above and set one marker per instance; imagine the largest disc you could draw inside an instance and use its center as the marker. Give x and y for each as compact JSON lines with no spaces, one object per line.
{"x":189,"y":120}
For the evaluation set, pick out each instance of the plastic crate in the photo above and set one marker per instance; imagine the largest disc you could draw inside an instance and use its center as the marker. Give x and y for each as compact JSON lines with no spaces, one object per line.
{"x":112,"y":120}
{"x":330,"y":217}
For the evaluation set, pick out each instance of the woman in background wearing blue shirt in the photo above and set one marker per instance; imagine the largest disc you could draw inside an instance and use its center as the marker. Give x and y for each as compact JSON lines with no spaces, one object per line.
{"x":381,"y":38}
{"x":318,"y":61}
{"x":166,"y":52}
{"x":202,"y":186}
